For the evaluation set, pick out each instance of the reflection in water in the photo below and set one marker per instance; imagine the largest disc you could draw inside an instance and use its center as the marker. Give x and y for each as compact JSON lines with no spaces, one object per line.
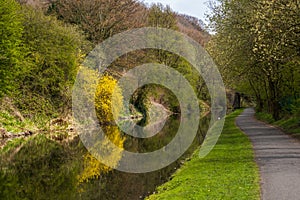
{"x":102,"y":150}
{"x":149,"y":125}
{"x":43,"y":169}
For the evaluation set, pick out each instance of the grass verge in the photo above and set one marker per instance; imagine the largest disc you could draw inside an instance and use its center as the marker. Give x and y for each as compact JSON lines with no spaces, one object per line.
{"x":289,"y":125}
{"x":228,"y":172}
{"x":12,"y":124}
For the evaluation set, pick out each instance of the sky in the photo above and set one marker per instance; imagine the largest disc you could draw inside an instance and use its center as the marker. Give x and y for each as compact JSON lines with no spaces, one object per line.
{"x":195,"y":8}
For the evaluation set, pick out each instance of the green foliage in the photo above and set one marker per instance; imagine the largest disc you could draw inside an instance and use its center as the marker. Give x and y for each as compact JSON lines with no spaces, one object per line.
{"x":156,"y":93}
{"x":265,"y":117}
{"x":164,"y":17}
{"x":52,"y":57}
{"x":10,"y":44}
{"x":290,"y":124}
{"x":295,"y":108}
{"x":228,"y":172}
{"x":39,"y":59}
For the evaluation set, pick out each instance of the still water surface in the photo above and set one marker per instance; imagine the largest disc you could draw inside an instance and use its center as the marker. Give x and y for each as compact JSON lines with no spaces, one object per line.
{"x":44,"y":169}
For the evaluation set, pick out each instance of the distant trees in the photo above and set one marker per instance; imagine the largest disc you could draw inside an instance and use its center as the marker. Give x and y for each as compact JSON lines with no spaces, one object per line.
{"x":193,"y":27}
{"x":257,"y":47}
{"x":164,"y":17}
{"x":161,"y":16}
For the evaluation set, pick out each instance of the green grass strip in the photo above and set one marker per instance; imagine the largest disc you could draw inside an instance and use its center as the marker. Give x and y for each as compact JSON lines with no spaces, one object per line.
{"x":228,"y":172}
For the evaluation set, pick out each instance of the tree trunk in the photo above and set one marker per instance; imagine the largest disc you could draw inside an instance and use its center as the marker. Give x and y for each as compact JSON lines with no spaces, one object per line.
{"x":273,"y":101}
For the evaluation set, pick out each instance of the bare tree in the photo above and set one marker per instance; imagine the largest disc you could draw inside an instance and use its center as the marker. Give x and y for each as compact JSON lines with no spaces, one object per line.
{"x":100,"y":19}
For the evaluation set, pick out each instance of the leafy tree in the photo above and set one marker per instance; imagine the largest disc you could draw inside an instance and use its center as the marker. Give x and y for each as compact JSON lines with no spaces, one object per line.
{"x":257,"y":46}
{"x":53,"y":54}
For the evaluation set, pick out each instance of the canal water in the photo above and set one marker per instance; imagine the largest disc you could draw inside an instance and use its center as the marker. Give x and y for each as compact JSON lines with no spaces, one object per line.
{"x":44,"y":169}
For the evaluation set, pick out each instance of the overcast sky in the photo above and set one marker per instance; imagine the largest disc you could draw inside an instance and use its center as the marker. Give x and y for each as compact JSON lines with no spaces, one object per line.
{"x":196,"y":8}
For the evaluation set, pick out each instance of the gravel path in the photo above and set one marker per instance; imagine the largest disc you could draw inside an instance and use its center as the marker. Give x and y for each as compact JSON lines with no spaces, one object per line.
{"x":277,"y":155}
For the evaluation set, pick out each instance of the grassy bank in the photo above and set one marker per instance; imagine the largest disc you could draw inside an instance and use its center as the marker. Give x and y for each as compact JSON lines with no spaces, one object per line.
{"x":289,"y":124}
{"x":228,"y":172}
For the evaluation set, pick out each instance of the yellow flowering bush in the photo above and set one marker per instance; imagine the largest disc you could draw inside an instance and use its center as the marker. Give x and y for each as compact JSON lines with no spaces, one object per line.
{"x":104,"y":97}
